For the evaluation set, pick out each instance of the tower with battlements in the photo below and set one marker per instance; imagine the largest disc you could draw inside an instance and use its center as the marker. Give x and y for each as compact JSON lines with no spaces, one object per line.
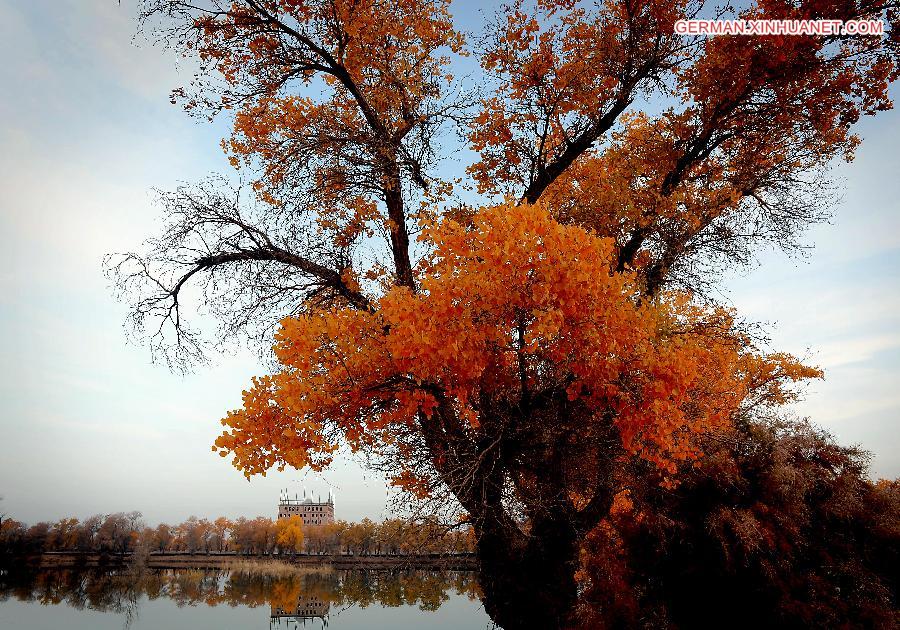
{"x":312,"y":512}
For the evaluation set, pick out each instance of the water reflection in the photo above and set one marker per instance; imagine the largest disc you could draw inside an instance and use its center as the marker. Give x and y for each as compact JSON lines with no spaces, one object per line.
{"x":310,"y":608}
{"x":299,"y":598}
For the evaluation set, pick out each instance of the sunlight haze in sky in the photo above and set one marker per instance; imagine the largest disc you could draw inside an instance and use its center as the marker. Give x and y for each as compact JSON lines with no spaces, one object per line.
{"x":89,"y":425}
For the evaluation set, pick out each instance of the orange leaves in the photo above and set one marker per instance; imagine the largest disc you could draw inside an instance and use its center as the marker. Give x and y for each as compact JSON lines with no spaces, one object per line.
{"x":412,"y":483}
{"x":790,"y":99}
{"x":768,"y":379}
{"x":561,"y":69}
{"x":377,"y":69}
{"x":564,"y":297}
{"x":264,"y":434}
{"x":289,"y":533}
{"x":514,"y":293}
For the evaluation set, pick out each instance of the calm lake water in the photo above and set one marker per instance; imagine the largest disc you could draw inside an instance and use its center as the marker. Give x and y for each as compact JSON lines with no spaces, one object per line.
{"x":172,"y":599}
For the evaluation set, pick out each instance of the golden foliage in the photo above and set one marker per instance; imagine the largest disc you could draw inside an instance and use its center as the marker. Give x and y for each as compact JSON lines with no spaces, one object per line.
{"x":667,"y":369}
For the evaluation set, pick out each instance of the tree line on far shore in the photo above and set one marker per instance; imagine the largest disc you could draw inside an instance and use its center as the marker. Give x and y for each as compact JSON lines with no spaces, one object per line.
{"x":124,"y":532}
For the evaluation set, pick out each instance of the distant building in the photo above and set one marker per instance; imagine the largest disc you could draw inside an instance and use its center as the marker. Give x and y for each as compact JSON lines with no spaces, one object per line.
{"x":312,"y":512}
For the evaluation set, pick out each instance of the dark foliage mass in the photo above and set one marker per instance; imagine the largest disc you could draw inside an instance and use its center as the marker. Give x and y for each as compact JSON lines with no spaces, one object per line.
{"x":778,"y":527}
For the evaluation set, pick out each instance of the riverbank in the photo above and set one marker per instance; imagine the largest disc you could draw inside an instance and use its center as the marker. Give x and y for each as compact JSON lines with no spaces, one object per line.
{"x":169,"y":560}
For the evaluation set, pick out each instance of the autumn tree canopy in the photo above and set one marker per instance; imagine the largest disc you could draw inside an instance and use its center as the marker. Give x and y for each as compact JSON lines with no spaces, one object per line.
{"x":290,"y":533}
{"x":505,"y":336}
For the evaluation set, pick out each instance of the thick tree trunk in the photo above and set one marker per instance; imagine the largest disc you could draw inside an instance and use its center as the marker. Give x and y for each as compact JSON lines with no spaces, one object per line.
{"x":527,"y":578}
{"x":529,"y":581}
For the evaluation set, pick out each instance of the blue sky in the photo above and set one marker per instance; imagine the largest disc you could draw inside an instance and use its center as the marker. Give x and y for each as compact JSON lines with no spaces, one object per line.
{"x":89,"y":425}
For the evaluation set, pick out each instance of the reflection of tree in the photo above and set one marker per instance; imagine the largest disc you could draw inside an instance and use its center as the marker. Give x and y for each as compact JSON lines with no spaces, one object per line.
{"x":120,"y":592}
{"x":103,"y":591}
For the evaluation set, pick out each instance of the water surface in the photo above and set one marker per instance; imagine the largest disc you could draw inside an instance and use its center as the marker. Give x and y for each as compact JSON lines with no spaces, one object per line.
{"x":197,"y":599}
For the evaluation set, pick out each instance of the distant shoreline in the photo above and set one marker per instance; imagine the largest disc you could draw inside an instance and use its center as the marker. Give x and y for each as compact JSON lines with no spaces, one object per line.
{"x":224,"y":560}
